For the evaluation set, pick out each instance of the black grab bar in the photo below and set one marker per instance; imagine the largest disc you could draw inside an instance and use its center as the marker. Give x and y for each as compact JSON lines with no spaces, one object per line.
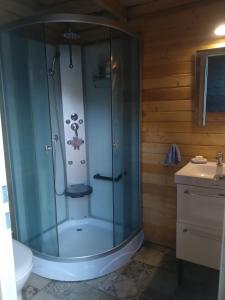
{"x":100,"y":177}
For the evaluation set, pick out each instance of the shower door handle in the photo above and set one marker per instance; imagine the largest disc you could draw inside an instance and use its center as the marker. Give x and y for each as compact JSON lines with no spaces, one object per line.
{"x":106,"y":178}
{"x":116,"y":179}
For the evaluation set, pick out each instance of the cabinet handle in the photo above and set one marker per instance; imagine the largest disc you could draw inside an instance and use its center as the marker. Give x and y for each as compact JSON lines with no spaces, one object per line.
{"x":202,"y":234}
{"x":219,"y":195}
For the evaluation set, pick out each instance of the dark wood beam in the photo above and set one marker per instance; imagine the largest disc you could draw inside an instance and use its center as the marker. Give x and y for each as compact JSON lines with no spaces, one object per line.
{"x":155,"y":6}
{"x":70,"y":6}
{"x":13,"y":7}
{"x":114,"y":7}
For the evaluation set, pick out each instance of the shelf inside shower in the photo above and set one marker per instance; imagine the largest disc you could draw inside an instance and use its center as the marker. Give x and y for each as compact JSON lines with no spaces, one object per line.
{"x":78,"y":190}
{"x":101,"y":81}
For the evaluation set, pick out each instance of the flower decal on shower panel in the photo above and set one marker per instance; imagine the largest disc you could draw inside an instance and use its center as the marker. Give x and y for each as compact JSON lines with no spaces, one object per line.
{"x":76,"y":142}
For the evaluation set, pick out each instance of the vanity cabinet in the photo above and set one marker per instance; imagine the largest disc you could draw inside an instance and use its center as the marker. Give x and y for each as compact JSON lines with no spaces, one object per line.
{"x":200,"y":213}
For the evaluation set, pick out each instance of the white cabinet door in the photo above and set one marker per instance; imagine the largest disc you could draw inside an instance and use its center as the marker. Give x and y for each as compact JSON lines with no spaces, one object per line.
{"x":198,"y":245}
{"x":222,"y":266}
{"x":7,"y":274}
{"x":200,"y":206}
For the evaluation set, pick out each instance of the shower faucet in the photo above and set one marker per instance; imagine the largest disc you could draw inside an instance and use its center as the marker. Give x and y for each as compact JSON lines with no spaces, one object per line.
{"x":75,"y":127}
{"x":219,"y":158}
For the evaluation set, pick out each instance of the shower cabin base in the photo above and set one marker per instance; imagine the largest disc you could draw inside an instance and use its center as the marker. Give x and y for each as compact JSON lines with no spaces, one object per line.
{"x":85,"y":237}
{"x":82,"y":239}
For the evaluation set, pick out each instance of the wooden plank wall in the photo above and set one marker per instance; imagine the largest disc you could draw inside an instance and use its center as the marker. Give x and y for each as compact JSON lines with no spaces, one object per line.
{"x":170,"y":40}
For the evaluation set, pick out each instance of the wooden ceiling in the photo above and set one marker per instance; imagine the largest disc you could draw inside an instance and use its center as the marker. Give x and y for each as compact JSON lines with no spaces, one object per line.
{"x":11,"y":10}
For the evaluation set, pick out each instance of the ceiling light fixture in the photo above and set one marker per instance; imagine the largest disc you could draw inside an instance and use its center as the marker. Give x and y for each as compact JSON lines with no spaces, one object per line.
{"x":220,"y":30}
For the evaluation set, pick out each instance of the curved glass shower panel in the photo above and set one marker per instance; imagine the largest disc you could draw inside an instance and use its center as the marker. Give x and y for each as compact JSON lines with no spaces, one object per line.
{"x":125,"y":129}
{"x":99,"y":128}
{"x":26,"y":108}
{"x":99,"y":133}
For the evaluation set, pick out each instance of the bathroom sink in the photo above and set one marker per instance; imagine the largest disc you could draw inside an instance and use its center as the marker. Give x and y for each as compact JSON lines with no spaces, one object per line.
{"x":208,"y":174}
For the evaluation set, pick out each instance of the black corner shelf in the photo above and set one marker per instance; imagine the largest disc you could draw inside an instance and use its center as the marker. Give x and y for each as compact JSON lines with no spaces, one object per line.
{"x":78,"y":190}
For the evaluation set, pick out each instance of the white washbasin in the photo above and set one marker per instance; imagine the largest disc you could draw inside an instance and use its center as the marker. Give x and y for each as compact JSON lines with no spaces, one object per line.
{"x":201,"y":174}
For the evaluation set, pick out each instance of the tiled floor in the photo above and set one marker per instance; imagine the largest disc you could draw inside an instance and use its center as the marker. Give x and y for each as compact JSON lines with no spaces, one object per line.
{"x":150,"y":275}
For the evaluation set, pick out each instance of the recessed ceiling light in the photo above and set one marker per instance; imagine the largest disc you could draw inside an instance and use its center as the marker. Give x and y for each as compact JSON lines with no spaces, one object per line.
{"x":220,"y":30}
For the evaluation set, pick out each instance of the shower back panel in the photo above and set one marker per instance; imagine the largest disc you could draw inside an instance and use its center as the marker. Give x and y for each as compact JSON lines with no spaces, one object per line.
{"x":72,"y":102}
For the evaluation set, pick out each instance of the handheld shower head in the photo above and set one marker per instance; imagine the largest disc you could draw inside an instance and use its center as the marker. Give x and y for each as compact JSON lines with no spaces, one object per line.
{"x":51,"y":71}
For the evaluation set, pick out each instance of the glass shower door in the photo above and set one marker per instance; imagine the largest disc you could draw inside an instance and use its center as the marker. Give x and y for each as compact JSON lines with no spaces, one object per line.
{"x":28,"y":138}
{"x":125,"y":130}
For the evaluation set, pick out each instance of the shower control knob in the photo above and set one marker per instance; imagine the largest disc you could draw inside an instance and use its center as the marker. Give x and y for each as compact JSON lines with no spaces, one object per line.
{"x":69,"y":142}
{"x":68,"y":121}
{"x":82,"y":161}
{"x":74,"y":117}
{"x":81,"y":121}
{"x":74,"y":126}
{"x":70,"y":162}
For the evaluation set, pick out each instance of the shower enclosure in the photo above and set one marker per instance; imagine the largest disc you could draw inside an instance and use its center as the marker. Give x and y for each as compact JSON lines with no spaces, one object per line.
{"x":70,"y":106}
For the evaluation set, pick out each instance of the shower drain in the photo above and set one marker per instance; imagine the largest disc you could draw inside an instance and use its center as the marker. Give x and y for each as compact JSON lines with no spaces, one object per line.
{"x":79,"y":229}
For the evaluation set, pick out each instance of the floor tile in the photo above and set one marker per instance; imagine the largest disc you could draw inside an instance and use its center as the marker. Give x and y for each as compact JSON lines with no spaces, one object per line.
{"x":106,"y":283}
{"x":42,"y":295}
{"x":126,"y":283}
{"x":162,"y":282}
{"x":62,"y":290}
{"x":29,"y":292}
{"x":156,"y":257}
{"x":75,"y":291}
{"x":155,"y":295}
{"x":200,"y":273}
{"x":150,"y":256}
{"x":194,"y":291}
{"x":37,"y":281}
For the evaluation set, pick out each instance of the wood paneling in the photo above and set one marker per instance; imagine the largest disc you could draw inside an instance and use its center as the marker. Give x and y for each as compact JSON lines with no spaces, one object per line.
{"x":12,"y":6}
{"x":169,"y":45}
{"x":114,"y":7}
{"x":152,"y":6}
{"x":119,"y":9}
{"x":179,"y":93}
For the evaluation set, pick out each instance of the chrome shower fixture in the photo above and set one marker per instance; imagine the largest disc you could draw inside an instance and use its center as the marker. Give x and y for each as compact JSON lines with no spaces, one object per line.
{"x":55,"y":138}
{"x":74,"y":117}
{"x":51,"y":71}
{"x":71,"y":36}
{"x":75,"y":127}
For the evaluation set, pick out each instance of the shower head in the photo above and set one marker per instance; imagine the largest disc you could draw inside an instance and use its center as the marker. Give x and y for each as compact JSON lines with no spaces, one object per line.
{"x":70,"y":35}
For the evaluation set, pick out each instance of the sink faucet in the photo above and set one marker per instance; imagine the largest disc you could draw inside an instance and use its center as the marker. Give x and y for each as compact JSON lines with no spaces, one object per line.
{"x":219,"y":158}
